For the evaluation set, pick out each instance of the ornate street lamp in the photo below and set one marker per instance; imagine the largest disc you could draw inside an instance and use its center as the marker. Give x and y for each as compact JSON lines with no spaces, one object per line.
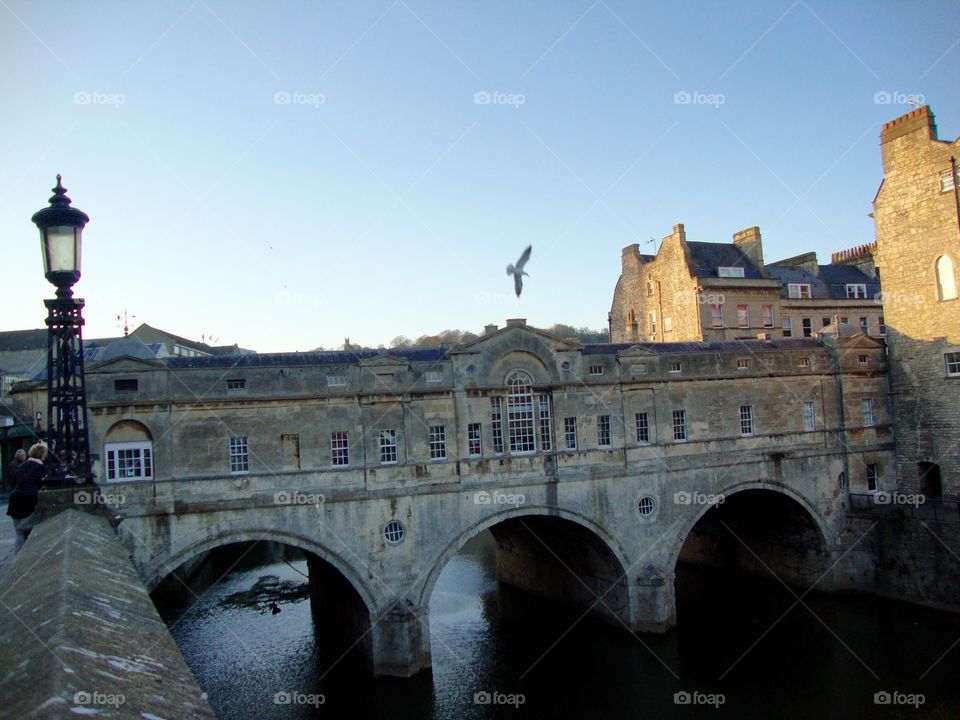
{"x":61,"y":227}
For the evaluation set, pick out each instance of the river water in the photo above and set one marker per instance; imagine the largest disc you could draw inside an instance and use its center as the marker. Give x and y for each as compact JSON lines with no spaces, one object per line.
{"x":739,"y":651}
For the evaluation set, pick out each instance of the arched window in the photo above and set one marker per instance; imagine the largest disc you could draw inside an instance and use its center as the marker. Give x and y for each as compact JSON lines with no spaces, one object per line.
{"x":128,"y":452}
{"x":520,"y":421}
{"x":946,"y":282}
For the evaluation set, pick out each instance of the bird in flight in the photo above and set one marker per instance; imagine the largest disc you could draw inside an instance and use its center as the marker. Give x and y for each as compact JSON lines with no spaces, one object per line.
{"x":517,"y":270}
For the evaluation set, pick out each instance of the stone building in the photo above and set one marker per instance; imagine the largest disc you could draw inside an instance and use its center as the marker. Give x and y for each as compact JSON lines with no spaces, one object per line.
{"x":698,"y":291}
{"x":917,"y":218}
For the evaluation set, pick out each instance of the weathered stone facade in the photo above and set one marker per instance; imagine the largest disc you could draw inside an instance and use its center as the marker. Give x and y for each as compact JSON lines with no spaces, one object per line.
{"x":916,"y":217}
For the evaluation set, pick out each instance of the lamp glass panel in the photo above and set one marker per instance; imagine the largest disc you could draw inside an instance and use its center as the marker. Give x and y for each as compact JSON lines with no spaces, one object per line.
{"x":63,"y":249}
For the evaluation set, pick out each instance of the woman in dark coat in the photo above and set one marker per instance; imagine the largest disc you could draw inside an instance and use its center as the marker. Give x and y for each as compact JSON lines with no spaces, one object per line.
{"x":23,"y":499}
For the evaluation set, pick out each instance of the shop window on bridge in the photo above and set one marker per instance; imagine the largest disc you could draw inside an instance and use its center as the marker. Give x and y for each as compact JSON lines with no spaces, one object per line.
{"x":546,"y":422}
{"x":129,"y":461}
{"x":520,"y":414}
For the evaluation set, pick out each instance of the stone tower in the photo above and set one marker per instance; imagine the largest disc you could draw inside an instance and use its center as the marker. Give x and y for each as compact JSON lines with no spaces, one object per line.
{"x":917,"y":218}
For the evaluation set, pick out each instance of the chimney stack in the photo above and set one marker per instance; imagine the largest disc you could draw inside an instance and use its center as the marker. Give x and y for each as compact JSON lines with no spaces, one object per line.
{"x":751,"y":245}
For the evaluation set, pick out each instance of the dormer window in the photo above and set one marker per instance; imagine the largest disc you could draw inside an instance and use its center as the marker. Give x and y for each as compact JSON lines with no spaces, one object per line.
{"x":856,"y":291}
{"x":336,"y":380}
{"x":798,"y":290}
{"x":728,"y":271}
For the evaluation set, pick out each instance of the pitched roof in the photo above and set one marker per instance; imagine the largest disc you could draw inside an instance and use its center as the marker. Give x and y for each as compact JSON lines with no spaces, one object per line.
{"x":13,"y":340}
{"x":830,"y":282}
{"x":706,"y":257}
{"x":337,"y":357}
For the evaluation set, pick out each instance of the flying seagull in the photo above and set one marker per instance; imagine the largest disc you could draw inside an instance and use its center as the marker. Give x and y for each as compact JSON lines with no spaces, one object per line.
{"x":517,"y":271}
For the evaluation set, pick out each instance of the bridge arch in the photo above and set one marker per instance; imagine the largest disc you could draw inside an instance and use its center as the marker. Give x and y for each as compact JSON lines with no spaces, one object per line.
{"x":157,"y":568}
{"x":797,"y":501}
{"x":599,"y":567}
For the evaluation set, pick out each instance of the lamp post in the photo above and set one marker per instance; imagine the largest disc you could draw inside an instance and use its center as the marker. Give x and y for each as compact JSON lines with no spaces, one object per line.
{"x":60,"y":228}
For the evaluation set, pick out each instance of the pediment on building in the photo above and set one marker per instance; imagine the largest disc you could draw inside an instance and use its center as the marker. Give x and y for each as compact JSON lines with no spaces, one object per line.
{"x":124,"y":363}
{"x":860,"y":340}
{"x":519,"y":335}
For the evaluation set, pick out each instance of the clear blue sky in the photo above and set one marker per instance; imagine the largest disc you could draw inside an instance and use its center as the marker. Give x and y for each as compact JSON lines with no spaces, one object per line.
{"x":383,"y":199}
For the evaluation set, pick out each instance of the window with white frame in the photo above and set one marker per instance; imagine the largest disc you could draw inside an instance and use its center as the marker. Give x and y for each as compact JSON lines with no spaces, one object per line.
{"x":743,"y":316}
{"x":388,"y":447}
{"x":788,"y":327}
{"x":668,"y":324}
{"x":746,"y":419}
{"x":798,"y":290}
{"x":952,"y":359}
{"x":679,"y":425}
{"x":809,"y":416}
{"x":570,"y":433}
{"x":716,"y":315}
{"x":768,"y":316}
{"x":595,"y":370}
{"x":336,"y":380}
{"x":650,"y":288}
{"x":433,"y":376}
{"x":236,"y":384}
{"x":129,"y":461}
{"x":807,"y":325}
{"x":865,"y":326}
{"x":603,"y":431}
{"x":804,"y":362}
{"x":474,"y":443}
{"x":743,"y":363}
{"x":520,"y":414}
{"x":546,"y":423}
{"x":866,"y":405}
{"x":438,"y":442}
{"x":948,"y":180}
{"x":863,"y":359}
{"x":881,"y":327}
{"x":946,"y":281}
{"x":675,"y":366}
{"x":856,"y":291}
{"x":239,"y":459}
{"x":729,"y":271}
{"x":340,"y":448}
{"x":643,"y":428}
{"x":653,"y":323}
{"x":496,"y":423}
{"x":872,"y":477}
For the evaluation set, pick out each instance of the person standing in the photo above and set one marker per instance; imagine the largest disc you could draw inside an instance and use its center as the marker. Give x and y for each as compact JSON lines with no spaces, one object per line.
{"x":18,"y":457}
{"x":23,"y":499}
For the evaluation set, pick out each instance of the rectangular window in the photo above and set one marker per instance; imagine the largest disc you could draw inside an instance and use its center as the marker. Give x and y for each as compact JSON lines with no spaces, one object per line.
{"x":129,"y":461}
{"x":743,"y":363}
{"x":237,"y":384}
{"x":746,"y":419}
{"x":643,"y":428}
{"x":336,"y":380}
{"x":867,"y":406}
{"x":809,"y":416}
{"x":864,"y":326}
{"x":728,"y":271}
{"x":953,"y":362}
{"x":520,"y":420}
{"x":546,"y":424}
{"x":603,"y":431}
{"x":798,"y":290}
{"x":290,"y":447}
{"x":595,"y":370}
{"x":667,"y":324}
{"x":434,"y":376}
{"x":438,"y":442}
{"x":863,"y":359}
{"x":856,"y":291}
{"x":474,"y":444}
{"x":239,"y":461}
{"x":881,"y":327}
{"x":650,"y":288}
{"x":807,"y":327}
{"x":947,"y":180}
{"x":743,"y":316}
{"x":716,"y":316}
{"x":653,"y":323}
{"x":388,"y":447}
{"x":872,"y":476}
{"x":679,"y":425}
{"x":570,"y":432}
{"x":496,"y":423}
{"x":787,"y":327}
{"x":125,"y":385}
{"x":675,"y":367}
{"x":824,"y":321}
{"x":768,"y":316}
{"x":340,"y":448}
{"x":844,"y":320}
{"x":804,"y":362}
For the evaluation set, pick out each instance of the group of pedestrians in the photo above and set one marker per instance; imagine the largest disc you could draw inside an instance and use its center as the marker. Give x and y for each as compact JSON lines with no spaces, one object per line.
{"x":28,"y":475}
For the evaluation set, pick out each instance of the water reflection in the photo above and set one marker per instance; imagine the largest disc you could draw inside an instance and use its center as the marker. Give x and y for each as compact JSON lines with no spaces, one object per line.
{"x":825,"y":661}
